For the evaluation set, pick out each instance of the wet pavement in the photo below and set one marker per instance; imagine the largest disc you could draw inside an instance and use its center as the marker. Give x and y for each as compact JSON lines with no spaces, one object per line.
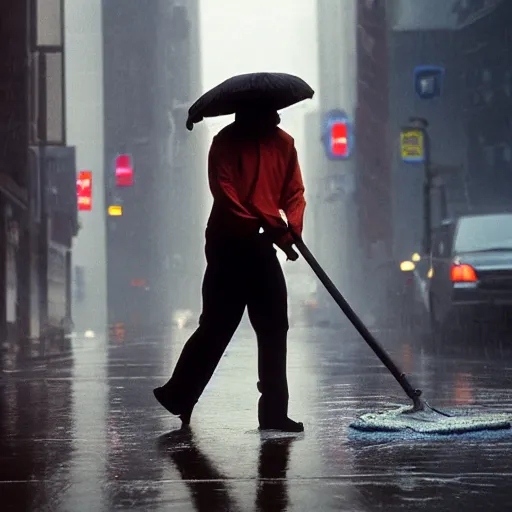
{"x":84,"y":433}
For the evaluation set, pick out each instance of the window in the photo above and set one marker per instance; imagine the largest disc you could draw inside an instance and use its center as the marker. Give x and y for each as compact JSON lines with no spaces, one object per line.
{"x":49,"y":23}
{"x":54,"y":99}
{"x":483,"y":232}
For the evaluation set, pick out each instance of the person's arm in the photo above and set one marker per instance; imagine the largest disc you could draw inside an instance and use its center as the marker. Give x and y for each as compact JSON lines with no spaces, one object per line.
{"x":293,"y":202}
{"x":221,"y":175}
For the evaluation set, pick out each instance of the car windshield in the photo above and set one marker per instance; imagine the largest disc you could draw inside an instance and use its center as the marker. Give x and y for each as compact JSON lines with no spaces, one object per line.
{"x":486,"y":232}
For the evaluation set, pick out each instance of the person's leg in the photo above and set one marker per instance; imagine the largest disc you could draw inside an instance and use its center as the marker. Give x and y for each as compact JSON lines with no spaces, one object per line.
{"x":224,"y":293}
{"x":267,"y":308}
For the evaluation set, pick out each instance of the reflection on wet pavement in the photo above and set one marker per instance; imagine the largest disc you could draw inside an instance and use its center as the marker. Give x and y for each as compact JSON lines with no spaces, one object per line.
{"x":207,"y":486}
{"x":83,"y":432}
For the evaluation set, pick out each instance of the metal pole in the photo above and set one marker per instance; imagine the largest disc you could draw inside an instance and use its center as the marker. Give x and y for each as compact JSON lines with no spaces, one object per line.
{"x":422,"y":125}
{"x":413,"y":393}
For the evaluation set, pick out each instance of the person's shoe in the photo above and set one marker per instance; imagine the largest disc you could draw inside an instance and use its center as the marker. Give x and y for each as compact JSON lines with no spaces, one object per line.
{"x":163,"y":399}
{"x":185,"y":417}
{"x":286,"y":425}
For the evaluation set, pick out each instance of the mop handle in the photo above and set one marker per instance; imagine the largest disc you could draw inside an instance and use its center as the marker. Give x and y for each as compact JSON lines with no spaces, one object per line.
{"x":400,"y":377}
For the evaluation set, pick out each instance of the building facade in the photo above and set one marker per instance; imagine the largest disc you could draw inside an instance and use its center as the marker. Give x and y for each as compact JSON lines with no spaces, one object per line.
{"x":469,"y":125}
{"x":14,"y":173}
{"x":394,"y":38}
{"x":37,"y":175}
{"x":373,"y":141}
{"x":332,"y":181}
{"x":485,"y":49}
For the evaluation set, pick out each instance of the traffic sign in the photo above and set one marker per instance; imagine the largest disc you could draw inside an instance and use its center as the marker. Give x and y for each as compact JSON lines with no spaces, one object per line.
{"x":412,"y":145}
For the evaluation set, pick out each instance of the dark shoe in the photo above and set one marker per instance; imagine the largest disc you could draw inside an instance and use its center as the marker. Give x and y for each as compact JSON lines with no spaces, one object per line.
{"x":185,"y":417}
{"x":164,"y":401}
{"x":286,"y":425}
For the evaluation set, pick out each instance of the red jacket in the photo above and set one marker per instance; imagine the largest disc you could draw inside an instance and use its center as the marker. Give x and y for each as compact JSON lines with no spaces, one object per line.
{"x":250,"y":179}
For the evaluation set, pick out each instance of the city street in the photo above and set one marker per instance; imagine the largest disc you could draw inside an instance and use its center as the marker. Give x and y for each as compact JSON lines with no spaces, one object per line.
{"x":140,"y":147}
{"x":84,"y":433}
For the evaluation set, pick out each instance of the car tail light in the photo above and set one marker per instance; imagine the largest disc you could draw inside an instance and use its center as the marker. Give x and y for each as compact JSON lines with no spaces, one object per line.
{"x":463,"y":273}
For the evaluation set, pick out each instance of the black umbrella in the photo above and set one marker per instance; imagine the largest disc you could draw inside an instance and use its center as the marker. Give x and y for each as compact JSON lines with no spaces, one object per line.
{"x":275,"y":90}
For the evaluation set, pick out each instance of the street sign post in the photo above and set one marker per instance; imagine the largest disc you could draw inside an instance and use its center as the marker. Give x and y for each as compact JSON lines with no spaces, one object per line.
{"x":415,"y":142}
{"x":415,"y":148}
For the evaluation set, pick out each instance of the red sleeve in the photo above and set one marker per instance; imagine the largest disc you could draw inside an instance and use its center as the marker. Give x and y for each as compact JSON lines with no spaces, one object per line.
{"x":293,"y":202}
{"x":221,"y":175}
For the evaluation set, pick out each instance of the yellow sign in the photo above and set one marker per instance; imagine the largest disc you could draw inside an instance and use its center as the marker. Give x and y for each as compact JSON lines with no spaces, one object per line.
{"x":115,"y":211}
{"x":412,"y":145}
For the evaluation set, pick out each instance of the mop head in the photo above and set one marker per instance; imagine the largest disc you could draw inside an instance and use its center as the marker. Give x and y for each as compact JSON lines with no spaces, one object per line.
{"x":430,"y":421}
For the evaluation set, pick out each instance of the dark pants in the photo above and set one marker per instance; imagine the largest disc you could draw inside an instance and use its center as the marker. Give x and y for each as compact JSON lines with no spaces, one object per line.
{"x":239,"y":273}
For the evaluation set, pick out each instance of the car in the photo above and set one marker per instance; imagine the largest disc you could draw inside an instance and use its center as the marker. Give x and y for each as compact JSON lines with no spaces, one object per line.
{"x":470,"y":277}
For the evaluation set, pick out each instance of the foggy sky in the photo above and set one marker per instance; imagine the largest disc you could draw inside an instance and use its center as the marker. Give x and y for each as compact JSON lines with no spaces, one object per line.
{"x":243,"y":36}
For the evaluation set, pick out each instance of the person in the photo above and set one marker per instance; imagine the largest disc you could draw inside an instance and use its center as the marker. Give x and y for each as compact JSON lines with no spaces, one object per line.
{"x":254,"y":174}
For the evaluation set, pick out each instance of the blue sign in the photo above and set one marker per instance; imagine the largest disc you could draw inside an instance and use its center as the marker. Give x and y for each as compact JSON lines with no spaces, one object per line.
{"x":337,"y":135}
{"x":428,"y":81}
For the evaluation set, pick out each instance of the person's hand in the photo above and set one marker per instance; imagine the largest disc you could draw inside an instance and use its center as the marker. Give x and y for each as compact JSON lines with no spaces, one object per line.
{"x":278,"y":233}
{"x":283,"y":239}
{"x":291,"y":253}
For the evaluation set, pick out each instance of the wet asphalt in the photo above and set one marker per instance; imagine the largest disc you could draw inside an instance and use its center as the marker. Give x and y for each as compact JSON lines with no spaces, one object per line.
{"x":82,"y":432}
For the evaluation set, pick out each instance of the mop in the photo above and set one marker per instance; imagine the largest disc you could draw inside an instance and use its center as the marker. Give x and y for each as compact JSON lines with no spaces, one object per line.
{"x":420,"y":417}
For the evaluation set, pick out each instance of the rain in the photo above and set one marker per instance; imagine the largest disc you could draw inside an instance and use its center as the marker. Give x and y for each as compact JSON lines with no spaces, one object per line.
{"x":369,"y":367}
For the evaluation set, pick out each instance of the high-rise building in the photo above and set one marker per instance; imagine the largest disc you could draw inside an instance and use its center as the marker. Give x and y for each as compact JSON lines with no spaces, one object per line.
{"x":332,"y":176}
{"x":394,"y":38}
{"x":151,"y":77}
{"x":469,"y":123}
